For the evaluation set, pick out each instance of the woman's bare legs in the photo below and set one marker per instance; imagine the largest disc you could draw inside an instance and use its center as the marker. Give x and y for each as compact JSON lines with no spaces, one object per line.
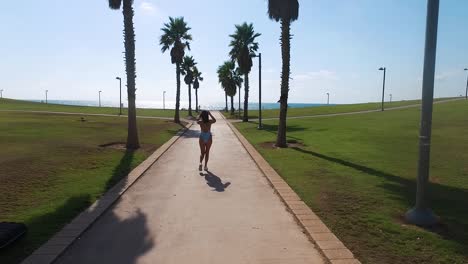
{"x":202,"y":152}
{"x":207,"y":152}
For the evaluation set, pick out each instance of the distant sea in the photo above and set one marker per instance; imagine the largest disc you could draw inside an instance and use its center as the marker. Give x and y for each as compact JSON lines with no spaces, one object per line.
{"x":171,"y":104}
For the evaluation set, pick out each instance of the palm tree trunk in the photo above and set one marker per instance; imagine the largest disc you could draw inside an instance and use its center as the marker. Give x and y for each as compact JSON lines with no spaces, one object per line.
{"x":196,"y":100}
{"x":285,"y":51}
{"x":246,"y":98}
{"x":129,"y":35}
{"x":190,"y":99}
{"x":225,"y":97}
{"x":232,"y":105}
{"x":177,"y":104}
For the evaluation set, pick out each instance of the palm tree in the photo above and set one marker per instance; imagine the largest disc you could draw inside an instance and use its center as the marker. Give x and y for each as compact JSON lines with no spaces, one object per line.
{"x":230,"y":79}
{"x":176,"y":37}
{"x":285,"y":11}
{"x":243,"y":48}
{"x":197,"y":78}
{"x":187,"y":69}
{"x":237,"y":78}
{"x":129,"y":42}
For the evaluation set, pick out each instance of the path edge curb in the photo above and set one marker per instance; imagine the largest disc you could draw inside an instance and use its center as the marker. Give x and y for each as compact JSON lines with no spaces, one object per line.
{"x":331,"y":248}
{"x":60,"y":241}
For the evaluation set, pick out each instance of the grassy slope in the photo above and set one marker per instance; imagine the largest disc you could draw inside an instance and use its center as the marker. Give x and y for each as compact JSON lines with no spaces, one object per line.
{"x":52,"y":168}
{"x":9,"y":104}
{"x":358,"y":173}
{"x":320,"y":110}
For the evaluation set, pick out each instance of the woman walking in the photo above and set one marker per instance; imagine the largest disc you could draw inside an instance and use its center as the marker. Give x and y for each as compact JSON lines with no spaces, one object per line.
{"x":206,"y":139}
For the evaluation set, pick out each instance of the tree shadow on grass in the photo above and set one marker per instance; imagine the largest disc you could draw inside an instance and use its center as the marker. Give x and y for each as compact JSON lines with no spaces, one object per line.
{"x":41,"y":227}
{"x":108,"y":237}
{"x":449,"y":202}
{"x":274,"y":128}
{"x":122,"y":169}
{"x":113,"y":238}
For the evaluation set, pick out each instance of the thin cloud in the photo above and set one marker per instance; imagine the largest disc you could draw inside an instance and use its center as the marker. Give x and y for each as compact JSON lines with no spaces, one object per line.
{"x":446,"y":75}
{"x":148,"y":7}
{"x":316,"y":75}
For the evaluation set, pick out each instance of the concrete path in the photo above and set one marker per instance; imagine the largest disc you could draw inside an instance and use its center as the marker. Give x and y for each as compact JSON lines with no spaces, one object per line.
{"x":174,"y":214}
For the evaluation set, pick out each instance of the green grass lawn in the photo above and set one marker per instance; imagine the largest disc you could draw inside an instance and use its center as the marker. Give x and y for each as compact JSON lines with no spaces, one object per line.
{"x":321,"y":110}
{"x":358,"y":174}
{"x":52,"y":167}
{"x":10,"y":104}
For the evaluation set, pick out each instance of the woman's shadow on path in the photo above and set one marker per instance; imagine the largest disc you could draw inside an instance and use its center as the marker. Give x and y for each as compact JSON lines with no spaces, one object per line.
{"x":214,"y":181}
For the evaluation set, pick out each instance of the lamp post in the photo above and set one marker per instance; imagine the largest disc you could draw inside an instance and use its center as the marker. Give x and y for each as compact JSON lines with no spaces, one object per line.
{"x":420,"y":214}
{"x":46,"y":91}
{"x":328,"y":98}
{"x":239,"y":102}
{"x":259,"y":90}
{"x":1,"y":93}
{"x":466,"y":93}
{"x":120,"y":87}
{"x":164,"y":100}
{"x":100,"y":98}
{"x":383,"y":88}
{"x":390,"y":98}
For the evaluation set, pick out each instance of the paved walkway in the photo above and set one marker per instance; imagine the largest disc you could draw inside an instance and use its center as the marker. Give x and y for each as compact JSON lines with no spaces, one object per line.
{"x":174,"y":214}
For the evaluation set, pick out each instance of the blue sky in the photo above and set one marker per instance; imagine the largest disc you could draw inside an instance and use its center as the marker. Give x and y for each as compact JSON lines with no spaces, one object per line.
{"x":74,"y":48}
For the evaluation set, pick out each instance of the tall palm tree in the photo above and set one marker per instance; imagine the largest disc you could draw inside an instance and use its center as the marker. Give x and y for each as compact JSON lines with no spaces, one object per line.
{"x":237,"y":78}
{"x":230,"y":79}
{"x":243,"y":48}
{"x":285,"y":11}
{"x":187,"y":69}
{"x":197,"y":78}
{"x":129,"y":42}
{"x":176,"y":37}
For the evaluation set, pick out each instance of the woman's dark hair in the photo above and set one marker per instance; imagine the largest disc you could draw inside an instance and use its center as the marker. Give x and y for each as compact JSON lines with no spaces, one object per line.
{"x":204,"y":116}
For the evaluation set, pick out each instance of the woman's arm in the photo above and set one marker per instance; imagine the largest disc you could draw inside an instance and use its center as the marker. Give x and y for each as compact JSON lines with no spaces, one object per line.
{"x":212,"y":117}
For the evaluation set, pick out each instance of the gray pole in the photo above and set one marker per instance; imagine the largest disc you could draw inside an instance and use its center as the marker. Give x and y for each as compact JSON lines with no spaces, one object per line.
{"x":421,"y":214}
{"x":390,"y":98}
{"x":164,"y":100}
{"x":466,"y":94}
{"x":328,"y":98}
{"x":1,"y":93}
{"x":46,"y":91}
{"x":100,"y":98}
{"x":120,"y":91}
{"x":383,"y":86}
{"x":260,"y":91}
{"x":239,"y":101}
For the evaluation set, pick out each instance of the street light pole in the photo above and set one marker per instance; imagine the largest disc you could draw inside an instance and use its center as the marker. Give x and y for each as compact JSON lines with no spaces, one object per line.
{"x":240,"y":101}
{"x":260,"y":126}
{"x":466,"y":93}
{"x":390,"y":98}
{"x":164,"y":100}
{"x":1,"y":93}
{"x":46,"y":91}
{"x":384,"y":69}
{"x":120,"y":87}
{"x":328,"y":98}
{"x":100,"y":98}
{"x":421,"y":214}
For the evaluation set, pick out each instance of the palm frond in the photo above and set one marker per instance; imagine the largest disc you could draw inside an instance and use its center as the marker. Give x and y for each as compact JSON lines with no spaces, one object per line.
{"x":283,"y":10}
{"x":115,"y":4}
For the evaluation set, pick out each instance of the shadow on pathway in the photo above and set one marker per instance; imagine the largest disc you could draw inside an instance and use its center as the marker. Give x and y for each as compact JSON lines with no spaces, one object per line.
{"x":214,"y":181}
